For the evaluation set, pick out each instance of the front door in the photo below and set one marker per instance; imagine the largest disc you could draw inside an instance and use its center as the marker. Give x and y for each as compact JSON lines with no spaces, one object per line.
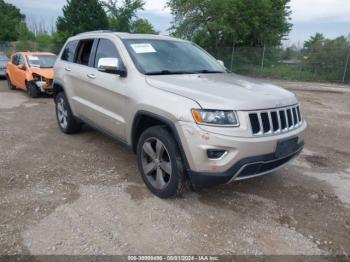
{"x":108,"y":91}
{"x":19,"y":74}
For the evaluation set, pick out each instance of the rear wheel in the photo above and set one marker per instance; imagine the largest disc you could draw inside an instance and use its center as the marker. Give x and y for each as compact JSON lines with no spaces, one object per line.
{"x":65,"y":118}
{"x":32,"y":90}
{"x":160,"y":163}
{"x":9,"y":83}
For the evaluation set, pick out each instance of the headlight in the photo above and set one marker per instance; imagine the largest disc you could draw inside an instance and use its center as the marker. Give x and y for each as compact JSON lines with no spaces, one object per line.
{"x":215,"y":117}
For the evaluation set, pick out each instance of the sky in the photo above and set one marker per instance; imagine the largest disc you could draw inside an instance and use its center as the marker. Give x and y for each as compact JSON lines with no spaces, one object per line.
{"x":330,"y":17}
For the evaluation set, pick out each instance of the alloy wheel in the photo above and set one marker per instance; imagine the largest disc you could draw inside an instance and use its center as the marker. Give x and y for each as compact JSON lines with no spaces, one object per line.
{"x":62,"y":113}
{"x":156,"y":163}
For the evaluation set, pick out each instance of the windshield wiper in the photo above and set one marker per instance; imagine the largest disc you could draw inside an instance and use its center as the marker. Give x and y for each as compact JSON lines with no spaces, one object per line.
{"x":205,"y":71}
{"x":168,"y":72}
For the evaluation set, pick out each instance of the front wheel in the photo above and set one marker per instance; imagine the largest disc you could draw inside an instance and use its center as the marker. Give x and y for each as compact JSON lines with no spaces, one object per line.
{"x":65,"y":118}
{"x":33,"y":91}
{"x":160,"y":162}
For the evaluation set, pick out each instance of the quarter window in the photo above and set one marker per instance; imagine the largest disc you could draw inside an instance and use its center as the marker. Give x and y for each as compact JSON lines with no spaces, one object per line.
{"x":106,"y":49}
{"x":69,"y":51}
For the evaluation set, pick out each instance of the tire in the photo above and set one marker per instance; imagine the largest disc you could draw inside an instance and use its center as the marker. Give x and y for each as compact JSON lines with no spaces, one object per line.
{"x":66,"y":121}
{"x":33,"y":91}
{"x":9,"y":83}
{"x":160,"y":163}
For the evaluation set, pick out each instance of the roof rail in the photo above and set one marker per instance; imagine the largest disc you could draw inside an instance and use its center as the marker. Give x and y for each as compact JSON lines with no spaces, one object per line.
{"x":96,"y":31}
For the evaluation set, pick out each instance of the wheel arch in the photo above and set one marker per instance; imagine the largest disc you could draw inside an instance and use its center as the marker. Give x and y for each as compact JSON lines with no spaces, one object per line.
{"x":26,"y":84}
{"x":8,"y":75}
{"x":57,"y":88}
{"x":144,"y":120}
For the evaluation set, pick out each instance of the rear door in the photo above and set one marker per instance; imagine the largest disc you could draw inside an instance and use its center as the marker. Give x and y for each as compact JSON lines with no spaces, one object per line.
{"x":11,"y":68}
{"x":63,"y":70}
{"x":80,"y":82}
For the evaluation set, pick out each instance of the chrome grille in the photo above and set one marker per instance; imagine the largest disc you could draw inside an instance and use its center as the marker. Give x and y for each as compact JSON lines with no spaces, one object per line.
{"x":275,"y":121}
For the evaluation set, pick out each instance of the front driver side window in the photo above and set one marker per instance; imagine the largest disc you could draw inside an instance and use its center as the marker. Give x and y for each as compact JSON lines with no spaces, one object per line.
{"x":20,"y":60}
{"x":106,"y":49}
{"x":14,"y":60}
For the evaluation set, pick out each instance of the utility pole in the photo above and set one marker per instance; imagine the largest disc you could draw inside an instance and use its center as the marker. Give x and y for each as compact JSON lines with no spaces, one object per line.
{"x":232,"y":55}
{"x":263,"y":59}
{"x":301,"y":63}
{"x":347,"y":62}
{"x":233,"y":51}
{"x":346,"y":66}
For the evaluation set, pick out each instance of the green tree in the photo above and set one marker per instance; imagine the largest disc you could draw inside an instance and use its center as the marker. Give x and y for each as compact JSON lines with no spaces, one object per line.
{"x":58,"y":39}
{"x":216,"y":24}
{"x":142,"y":26}
{"x":44,"y":42}
{"x":315,"y":41}
{"x":123,"y":17}
{"x":10,"y":20}
{"x":25,"y":38}
{"x":291,"y":53}
{"x":326,"y":58}
{"x":81,"y":16}
{"x":23,"y":32}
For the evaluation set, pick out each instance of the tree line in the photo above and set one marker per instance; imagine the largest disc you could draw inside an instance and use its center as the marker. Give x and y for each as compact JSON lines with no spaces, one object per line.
{"x":78,"y":16}
{"x":210,"y":23}
{"x":246,"y":34}
{"x":319,"y":59}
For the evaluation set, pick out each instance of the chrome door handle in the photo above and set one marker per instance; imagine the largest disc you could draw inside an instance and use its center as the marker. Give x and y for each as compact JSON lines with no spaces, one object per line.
{"x":92,"y":76}
{"x":67,"y":68}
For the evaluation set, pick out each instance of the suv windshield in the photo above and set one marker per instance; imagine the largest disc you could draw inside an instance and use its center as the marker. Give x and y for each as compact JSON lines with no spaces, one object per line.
{"x":41,"y":61}
{"x":165,"y":57}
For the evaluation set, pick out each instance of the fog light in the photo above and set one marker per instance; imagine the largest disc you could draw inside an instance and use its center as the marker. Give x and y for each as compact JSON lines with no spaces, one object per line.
{"x":215,"y":154}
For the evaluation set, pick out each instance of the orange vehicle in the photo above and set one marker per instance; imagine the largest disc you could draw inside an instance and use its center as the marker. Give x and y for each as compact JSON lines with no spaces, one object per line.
{"x":31,"y":72}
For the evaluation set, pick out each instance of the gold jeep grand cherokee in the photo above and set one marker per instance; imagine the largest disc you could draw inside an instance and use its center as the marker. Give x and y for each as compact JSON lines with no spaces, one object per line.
{"x":179,"y":109}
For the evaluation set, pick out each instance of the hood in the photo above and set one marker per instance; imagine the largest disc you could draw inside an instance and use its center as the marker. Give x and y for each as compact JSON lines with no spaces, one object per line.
{"x":45,"y":72}
{"x":225,"y":91}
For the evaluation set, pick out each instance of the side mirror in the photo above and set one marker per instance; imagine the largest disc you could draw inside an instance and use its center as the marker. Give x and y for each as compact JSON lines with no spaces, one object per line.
{"x":21,"y":67}
{"x":221,"y":63}
{"x":112,"y":66}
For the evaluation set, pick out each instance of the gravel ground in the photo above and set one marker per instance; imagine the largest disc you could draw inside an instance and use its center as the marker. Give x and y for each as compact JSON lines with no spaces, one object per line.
{"x":82,"y":194}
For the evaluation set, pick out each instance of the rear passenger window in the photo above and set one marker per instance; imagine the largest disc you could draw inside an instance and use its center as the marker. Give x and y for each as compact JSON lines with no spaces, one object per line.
{"x":106,"y":49}
{"x":84,"y":51}
{"x":69,"y":51}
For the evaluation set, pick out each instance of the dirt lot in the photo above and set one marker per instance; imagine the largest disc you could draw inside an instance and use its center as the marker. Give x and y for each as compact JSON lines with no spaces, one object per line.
{"x":82,"y":194}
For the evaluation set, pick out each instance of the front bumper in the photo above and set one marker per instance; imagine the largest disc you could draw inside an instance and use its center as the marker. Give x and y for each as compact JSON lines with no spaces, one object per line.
{"x":244,"y":169}
{"x":45,"y":86}
{"x":246,"y":157}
